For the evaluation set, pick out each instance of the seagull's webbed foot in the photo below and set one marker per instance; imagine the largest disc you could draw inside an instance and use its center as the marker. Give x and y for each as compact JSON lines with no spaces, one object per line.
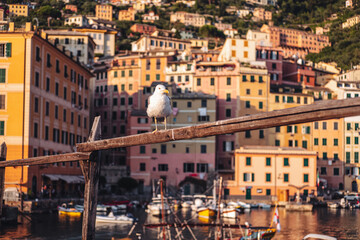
{"x":156,"y":128}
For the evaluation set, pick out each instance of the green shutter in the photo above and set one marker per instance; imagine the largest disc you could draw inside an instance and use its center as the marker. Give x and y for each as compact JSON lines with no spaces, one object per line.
{"x":253,"y":177}
{"x":244,"y":177}
{"x":8,"y":49}
{"x":2,"y":75}
{"x":2,"y":128}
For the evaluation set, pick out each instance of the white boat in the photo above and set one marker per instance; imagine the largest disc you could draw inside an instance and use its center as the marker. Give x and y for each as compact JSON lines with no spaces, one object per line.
{"x":155,"y":207}
{"x":318,"y":236}
{"x":111,"y":218}
{"x":244,"y":205}
{"x":199,"y":201}
{"x":186,"y":201}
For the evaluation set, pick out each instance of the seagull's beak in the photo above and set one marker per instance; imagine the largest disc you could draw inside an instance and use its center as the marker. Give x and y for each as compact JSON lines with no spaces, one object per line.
{"x":166,"y":91}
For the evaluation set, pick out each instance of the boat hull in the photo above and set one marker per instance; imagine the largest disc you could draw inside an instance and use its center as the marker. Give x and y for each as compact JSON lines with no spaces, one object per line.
{"x":206,"y":213}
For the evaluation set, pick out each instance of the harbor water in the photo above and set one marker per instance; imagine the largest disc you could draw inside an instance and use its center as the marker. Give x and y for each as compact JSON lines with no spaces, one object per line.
{"x":339,"y":223}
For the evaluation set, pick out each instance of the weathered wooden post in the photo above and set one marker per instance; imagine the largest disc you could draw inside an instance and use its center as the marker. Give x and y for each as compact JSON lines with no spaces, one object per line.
{"x":91,"y":172}
{"x":3,"y":150}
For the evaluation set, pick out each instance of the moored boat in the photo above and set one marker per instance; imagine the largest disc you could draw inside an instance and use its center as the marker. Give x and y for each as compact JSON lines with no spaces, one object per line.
{"x":69,"y":210}
{"x":111,"y":218}
{"x":206,"y":212}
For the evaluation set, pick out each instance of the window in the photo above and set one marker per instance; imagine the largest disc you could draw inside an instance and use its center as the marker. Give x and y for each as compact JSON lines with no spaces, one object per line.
{"x":189,"y":167}
{"x":286,"y":177}
{"x":336,"y":172}
{"x":336,"y":125}
{"x":336,"y":156}
{"x":260,"y":79}
{"x":142,"y":149}
{"x":157,"y":77}
{"x":163,"y":148}
{"x":212,"y":81}
{"x":244,"y":78}
{"x":142,"y":167}
{"x":324,"y":156}
{"x":57,"y":89}
{"x":252,"y":79}
{"x":56,"y":112}
{"x":203,"y":103}
{"x":245,"y":54}
{"x":35,"y":130}
{"x":347,"y":157}
{"x":304,"y":144}
{"x":248,"y":161}
{"x":228,"y":97}
{"x":261,"y":133}
{"x":123,"y":73}
{"x":268,"y":161}
{"x":37,"y":54}
{"x":130,"y":73}
{"x":324,"y":125}
{"x":247,"y":91}
{"x":277,"y":143}
{"x":316,"y":125}
{"x":36,"y":104}
{"x":356,"y":157}
{"x":203,"y":148}
{"x":277,"y":129}
{"x":163,"y":168}
{"x":247,"y":177}
{"x":347,"y":140}
{"x":2,"y":128}
{"x":228,"y":81}
{"x":324,"y":141}
{"x":268,"y":192}
{"x":247,"y":134}
{"x":2,"y":75}
{"x":115,"y":74}
{"x":260,"y":105}
{"x":198,"y":81}
{"x":306,"y":162}
{"x":336,"y":142}
{"x":286,"y":162}
{"x":316,"y":141}
{"x":228,"y":112}
{"x":147,"y":77}
{"x":247,"y":104}
{"x":268,"y":177}
{"x":356,"y":140}
{"x":5,"y":50}
{"x":48,"y":60}
{"x":2,"y":102}
{"x":202,"y":167}
{"x":348,"y":126}
{"x":57,"y":64}
{"x":306,"y":178}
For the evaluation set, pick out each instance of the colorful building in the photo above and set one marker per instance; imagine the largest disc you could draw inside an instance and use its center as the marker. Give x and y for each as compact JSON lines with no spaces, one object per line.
{"x":103,"y":37}
{"x":44,"y":111}
{"x":71,"y":7}
{"x":143,"y":28}
{"x":236,"y":49}
{"x":150,"y":17}
{"x":127,"y":15}
{"x":104,"y":12}
{"x":266,"y":171}
{"x":186,"y":18}
{"x":273,"y":58}
{"x":298,"y":73}
{"x":260,"y":14}
{"x":18,"y":10}
{"x":157,"y":43}
{"x":76,"y":21}
{"x":79,"y":44}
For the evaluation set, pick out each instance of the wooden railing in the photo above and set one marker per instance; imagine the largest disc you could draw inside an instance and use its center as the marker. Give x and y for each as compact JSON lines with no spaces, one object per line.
{"x":88,"y":154}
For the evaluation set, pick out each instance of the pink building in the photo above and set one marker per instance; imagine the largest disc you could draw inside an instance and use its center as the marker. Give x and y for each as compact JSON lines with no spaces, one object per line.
{"x":274,"y":62}
{"x":174,"y":161}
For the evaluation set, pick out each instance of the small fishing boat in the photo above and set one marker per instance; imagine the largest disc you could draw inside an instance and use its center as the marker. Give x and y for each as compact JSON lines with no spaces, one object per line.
{"x":206,"y":212}
{"x":264,"y":206}
{"x":70,"y":210}
{"x":186,"y":201}
{"x":111,"y":218}
{"x":318,"y":236}
{"x":155,"y":207}
{"x":259,"y":233}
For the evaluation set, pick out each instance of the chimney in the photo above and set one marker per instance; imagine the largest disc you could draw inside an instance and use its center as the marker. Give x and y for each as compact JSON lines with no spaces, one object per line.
{"x":28,"y":27}
{"x":11,"y":27}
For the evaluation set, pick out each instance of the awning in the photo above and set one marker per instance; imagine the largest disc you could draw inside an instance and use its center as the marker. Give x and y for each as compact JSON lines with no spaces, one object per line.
{"x":66,"y":178}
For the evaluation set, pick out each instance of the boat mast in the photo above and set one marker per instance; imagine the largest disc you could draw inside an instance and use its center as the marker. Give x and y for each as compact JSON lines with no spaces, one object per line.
{"x":162,"y":207}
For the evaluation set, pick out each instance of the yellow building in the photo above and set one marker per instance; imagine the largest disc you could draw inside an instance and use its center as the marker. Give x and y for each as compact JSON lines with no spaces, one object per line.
{"x":44,"y":108}
{"x":18,"y":10}
{"x":104,"y":12}
{"x":272,"y":171}
{"x":297,"y":135}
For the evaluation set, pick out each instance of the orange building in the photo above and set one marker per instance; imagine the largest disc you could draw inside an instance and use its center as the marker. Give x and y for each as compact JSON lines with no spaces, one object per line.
{"x":104,"y":12}
{"x":127,"y":15}
{"x":296,"y":38}
{"x":71,"y":7}
{"x":46,"y":110}
{"x":272,"y":171}
{"x":18,"y":10}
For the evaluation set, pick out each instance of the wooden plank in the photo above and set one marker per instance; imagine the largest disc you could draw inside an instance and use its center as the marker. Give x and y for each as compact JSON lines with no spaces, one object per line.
{"x":91,"y":171}
{"x":3,"y":150}
{"x":67,"y":157}
{"x":321,"y":110}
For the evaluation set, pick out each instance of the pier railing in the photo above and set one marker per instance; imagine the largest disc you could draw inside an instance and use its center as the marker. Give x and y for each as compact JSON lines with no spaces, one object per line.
{"x":88,"y":153}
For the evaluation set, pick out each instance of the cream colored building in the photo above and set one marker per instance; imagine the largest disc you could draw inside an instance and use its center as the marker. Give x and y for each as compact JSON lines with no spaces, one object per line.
{"x":150,"y":43}
{"x":104,"y":39}
{"x":272,"y":171}
{"x":79,"y":44}
{"x":104,"y":12}
{"x":260,"y":14}
{"x":78,"y":20}
{"x":260,"y":38}
{"x":351,"y":22}
{"x":236,"y":49}
{"x":127,"y":15}
{"x":186,"y":18}
{"x":151,"y":17}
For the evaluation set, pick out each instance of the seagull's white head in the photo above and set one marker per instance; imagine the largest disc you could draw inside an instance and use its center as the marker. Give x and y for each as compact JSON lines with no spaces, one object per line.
{"x":160,"y":89}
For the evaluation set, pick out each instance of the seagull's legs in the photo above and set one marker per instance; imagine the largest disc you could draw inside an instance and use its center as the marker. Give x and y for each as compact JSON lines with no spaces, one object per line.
{"x":155,"y":126}
{"x":165,"y":122}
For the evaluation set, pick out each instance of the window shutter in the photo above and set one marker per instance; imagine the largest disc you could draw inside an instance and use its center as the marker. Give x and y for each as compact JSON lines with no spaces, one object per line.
{"x":224,"y":146}
{"x":185,"y":167}
{"x":197,"y":167}
{"x":244,"y":177}
{"x":253,"y":177}
{"x":8,"y":49}
{"x":2,"y":75}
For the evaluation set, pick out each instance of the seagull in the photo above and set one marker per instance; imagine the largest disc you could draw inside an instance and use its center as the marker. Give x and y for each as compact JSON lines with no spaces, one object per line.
{"x":159,"y":105}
